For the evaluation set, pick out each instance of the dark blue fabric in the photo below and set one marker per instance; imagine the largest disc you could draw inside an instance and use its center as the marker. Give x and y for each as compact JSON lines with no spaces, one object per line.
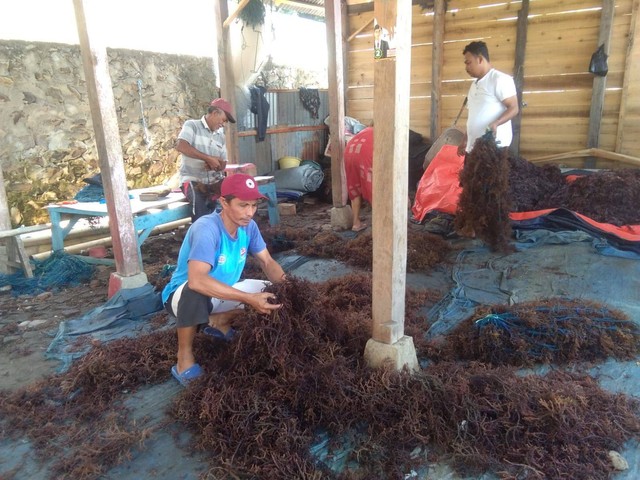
{"x":563,"y":219}
{"x":260,"y":106}
{"x":123,"y":315}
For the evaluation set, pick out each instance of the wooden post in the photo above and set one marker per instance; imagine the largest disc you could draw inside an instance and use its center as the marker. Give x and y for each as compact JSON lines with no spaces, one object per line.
{"x":518,"y":72}
{"x":599,"y":83}
{"x":344,"y":15}
{"x":437,"y":61}
{"x":5,"y":221}
{"x":227,"y":79}
{"x":333,"y":20}
{"x":390,"y":171}
{"x":105,"y":126}
{"x":5,"y":217}
{"x":631,"y":77}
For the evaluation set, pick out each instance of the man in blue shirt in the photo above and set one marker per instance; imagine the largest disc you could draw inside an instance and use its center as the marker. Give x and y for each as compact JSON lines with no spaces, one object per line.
{"x":205,"y":289}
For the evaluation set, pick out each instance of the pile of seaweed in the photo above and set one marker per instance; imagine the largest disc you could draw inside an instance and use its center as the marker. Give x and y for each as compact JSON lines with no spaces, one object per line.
{"x":484,"y":204}
{"x":76,"y":420}
{"x":262,"y":407}
{"x":553,"y":331}
{"x":608,"y":196}
{"x":495,"y":182}
{"x":532,"y":187}
{"x":293,"y":379}
{"x":424,"y":250}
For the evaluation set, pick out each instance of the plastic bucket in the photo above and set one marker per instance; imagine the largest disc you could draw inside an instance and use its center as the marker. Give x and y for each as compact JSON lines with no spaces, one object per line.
{"x":289,"y":162}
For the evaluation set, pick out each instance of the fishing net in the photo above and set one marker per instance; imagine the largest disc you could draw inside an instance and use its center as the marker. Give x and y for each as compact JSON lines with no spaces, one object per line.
{"x":58,"y":270}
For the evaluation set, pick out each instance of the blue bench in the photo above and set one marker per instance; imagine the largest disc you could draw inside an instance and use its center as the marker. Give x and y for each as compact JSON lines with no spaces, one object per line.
{"x":146,"y":216}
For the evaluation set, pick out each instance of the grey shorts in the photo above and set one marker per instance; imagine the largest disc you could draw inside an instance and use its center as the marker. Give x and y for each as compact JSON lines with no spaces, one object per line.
{"x":192,"y":308}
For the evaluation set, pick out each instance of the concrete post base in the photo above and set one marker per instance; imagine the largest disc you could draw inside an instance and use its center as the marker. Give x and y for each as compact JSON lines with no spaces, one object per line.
{"x":342,"y":217}
{"x":401,"y":353}
{"x":117,"y":281}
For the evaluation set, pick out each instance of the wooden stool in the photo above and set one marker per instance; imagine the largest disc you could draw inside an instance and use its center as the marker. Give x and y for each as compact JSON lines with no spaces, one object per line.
{"x":267,"y":187}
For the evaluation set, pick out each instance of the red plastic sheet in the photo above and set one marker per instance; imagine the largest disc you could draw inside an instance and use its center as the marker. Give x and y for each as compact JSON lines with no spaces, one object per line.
{"x":439,"y":190}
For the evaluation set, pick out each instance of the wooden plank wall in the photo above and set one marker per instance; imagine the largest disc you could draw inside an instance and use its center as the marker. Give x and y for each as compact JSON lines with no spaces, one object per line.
{"x":562,"y":35}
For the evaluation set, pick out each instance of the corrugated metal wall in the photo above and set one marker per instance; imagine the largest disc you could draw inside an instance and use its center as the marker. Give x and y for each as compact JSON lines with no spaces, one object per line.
{"x":286,"y":112}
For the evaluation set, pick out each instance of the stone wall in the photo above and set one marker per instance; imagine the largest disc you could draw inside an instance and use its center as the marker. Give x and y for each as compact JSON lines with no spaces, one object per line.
{"x":47,"y":144}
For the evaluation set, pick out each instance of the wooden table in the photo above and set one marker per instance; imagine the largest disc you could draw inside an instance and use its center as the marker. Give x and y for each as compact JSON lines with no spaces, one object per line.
{"x":146,"y":215}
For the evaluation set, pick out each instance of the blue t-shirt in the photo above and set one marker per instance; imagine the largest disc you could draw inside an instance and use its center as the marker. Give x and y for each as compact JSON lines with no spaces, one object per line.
{"x":207,"y":240}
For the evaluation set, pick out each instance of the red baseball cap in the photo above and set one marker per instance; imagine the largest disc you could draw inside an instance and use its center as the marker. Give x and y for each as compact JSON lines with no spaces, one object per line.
{"x":241,"y":186}
{"x":225,"y":106}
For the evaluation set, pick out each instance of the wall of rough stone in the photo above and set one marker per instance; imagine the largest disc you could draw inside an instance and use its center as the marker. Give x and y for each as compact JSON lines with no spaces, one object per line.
{"x":47,"y":144}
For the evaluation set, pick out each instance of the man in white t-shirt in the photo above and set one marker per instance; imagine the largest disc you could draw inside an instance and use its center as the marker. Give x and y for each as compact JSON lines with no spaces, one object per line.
{"x":492,"y":99}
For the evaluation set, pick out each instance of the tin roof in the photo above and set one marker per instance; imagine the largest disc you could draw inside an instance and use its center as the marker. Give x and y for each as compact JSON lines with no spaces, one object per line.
{"x":313,"y":9}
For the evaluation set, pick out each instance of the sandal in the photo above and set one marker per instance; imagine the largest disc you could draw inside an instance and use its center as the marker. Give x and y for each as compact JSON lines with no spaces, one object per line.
{"x":188,"y":375}
{"x":213,"y":332}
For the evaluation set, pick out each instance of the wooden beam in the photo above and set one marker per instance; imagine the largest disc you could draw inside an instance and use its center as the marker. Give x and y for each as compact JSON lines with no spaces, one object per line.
{"x":390,"y":172}
{"x":437,"y":62}
{"x":518,"y":72}
{"x":235,"y":13}
{"x":227,"y":79}
{"x":633,"y":53}
{"x":589,"y":152}
{"x":334,"y":22}
{"x":287,"y":129}
{"x":600,"y":83}
{"x":345,"y":52}
{"x":107,"y":136}
{"x":358,"y":31}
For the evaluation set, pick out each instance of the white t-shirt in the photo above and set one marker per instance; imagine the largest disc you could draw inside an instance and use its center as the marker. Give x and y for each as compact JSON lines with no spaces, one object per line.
{"x":485,"y":106}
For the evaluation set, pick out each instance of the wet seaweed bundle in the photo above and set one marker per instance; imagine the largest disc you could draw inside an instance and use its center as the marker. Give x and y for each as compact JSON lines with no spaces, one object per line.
{"x":484,"y":205}
{"x":554,"y":331}
{"x":424,"y":250}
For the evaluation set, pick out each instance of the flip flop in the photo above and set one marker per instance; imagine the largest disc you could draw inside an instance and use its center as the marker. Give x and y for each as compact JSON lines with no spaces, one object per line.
{"x":213,"y":332}
{"x":189,"y":374}
{"x":360,"y":228}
